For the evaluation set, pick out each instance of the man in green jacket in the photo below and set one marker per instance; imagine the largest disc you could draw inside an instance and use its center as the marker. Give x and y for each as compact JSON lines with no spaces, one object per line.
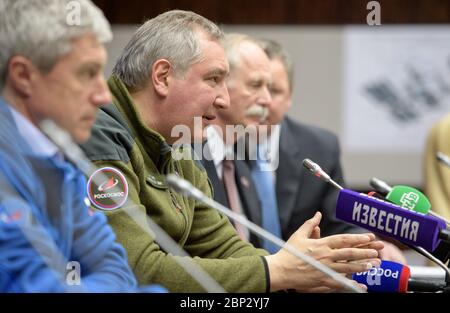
{"x":174,"y":69}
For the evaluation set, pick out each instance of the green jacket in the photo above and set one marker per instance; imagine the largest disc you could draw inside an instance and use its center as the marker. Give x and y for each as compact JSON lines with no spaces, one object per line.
{"x":121,"y":140}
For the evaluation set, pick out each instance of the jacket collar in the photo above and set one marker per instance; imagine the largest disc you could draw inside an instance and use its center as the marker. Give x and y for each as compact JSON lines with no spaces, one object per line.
{"x":38,"y":142}
{"x":155,"y":144}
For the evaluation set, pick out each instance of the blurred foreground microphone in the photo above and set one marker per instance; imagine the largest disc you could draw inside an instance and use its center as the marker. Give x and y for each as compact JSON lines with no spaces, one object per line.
{"x":185,"y":188}
{"x":74,"y":153}
{"x":392,"y":277}
{"x":387,"y":219}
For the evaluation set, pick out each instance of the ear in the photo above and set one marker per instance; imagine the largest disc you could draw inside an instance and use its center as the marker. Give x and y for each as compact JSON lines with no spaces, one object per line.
{"x":21,"y":72}
{"x":290,"y":100}
{"x":161,"y":70}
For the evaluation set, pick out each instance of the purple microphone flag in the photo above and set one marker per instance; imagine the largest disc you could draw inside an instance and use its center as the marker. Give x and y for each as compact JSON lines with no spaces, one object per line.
{"x":389,"y":220}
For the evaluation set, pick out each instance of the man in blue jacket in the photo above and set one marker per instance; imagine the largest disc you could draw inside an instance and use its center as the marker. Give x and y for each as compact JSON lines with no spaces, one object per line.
{"x":51,"y":67}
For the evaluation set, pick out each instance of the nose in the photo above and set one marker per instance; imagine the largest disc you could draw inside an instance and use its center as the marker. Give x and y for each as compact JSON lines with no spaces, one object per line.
{"x":102,"y":95}
{"x":222,"y":101}
{"x":265,"y":97}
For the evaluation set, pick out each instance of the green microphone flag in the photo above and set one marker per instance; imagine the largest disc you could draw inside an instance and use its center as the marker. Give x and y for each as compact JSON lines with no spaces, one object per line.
{"x":409,"y":198}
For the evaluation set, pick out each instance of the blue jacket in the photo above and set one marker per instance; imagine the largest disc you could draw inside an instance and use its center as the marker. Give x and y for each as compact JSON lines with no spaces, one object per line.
{"x":45,"y":223}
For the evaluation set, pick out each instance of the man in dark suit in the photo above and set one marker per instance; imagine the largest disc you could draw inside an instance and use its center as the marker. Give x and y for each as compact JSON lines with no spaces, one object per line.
{"x":246,"y":189}
{"x":248,"y":87}
{"x":300,"y":194}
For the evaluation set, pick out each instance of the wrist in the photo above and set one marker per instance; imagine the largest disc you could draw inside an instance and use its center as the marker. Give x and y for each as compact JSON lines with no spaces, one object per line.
{"x":276,"y":273}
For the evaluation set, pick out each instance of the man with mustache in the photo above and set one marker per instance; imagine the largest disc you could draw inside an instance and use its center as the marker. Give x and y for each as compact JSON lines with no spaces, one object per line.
{"x":299,"y":194}
{"x":248,"y":87}
{"x":173,"y":70}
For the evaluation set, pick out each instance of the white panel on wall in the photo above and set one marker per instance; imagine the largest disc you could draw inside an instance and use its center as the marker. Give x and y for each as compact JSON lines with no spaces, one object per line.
{"x":322,"y":83}
{"x":396,"y":86}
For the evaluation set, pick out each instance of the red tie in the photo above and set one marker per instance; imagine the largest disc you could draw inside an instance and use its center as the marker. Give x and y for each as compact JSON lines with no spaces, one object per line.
{"x":229,"y":182}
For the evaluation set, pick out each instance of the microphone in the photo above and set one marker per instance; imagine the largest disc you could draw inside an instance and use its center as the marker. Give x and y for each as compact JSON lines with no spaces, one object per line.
{"x":389,"y":277}
{"x":188,"y":190}
{"x":392,"y":277}
{"x":388,"y":219}
{"x":318,"y":172}
{"x":407,"y":197}
{"x":441,"y":254}
{"x":74,"y":153}
{"x":382,"y":187}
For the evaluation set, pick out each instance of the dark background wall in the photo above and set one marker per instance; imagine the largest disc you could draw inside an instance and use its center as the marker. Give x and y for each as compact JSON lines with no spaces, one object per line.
{"x":308,"y":12}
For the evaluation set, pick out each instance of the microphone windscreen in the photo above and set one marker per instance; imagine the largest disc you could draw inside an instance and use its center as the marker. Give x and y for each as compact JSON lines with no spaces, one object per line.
{"x":409,"y":198}
{"x":389,"y":219}
{"x":390,"y":277}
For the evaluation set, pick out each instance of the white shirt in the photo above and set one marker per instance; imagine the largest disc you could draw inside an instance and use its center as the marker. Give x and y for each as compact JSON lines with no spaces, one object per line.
{"x":219,"y":151}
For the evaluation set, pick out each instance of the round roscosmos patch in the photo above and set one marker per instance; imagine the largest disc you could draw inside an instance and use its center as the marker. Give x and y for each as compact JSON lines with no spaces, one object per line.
{"x":107,"y":188}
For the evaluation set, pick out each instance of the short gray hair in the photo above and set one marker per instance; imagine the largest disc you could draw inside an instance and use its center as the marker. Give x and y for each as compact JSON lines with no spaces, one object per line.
{"x":231,"y":44}
{"x":172,"y":35}
{"x":41,"y":31}
{"x":275,"y":52}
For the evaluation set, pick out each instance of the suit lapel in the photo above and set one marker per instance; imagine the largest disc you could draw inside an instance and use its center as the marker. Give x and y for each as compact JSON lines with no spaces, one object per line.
{"x":248,"y":193}
{"x":290,"y":172}
{"x":217,"y":185}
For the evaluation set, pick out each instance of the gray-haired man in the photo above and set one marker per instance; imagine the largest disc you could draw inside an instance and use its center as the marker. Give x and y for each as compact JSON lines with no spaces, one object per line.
{"x":174,"y":69}
{"x":299,"y":194}
{"x":50,"y":241}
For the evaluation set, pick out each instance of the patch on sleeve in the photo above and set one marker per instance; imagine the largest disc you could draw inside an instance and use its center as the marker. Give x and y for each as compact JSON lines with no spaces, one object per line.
{"x":15,"y":210}
{"x":107,"y":189}
{"x":9,"y":218}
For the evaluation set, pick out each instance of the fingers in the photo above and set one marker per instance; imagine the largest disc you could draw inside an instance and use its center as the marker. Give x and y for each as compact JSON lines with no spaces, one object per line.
{"x":347,"y":240}
{"x":377,"y":245}
{"x":355,"y":267}
{"x":376,"y":262}
{"x":362,"y":286}
{"x":321,"y":289}
{"x":316,"y":233}
{"x":353,"y":254}
{"x":392,"y":253}
{"x":308,"y":227}
{"x":329,"y":285}
{"x":371,"y":235}
{"x":356,"y":284}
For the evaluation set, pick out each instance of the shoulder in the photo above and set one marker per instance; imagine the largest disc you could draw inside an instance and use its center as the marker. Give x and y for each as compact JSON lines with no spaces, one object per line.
{"x":311,"y":136}
{"x":191,"y":163}
{"x":111,"y":138}
{"x":442,"y":127}
{"x":192,"y":168}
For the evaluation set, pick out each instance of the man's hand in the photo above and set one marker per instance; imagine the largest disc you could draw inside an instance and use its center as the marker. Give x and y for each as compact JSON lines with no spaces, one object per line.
{"x":390,"y":252}
{"x":346,"y":254}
